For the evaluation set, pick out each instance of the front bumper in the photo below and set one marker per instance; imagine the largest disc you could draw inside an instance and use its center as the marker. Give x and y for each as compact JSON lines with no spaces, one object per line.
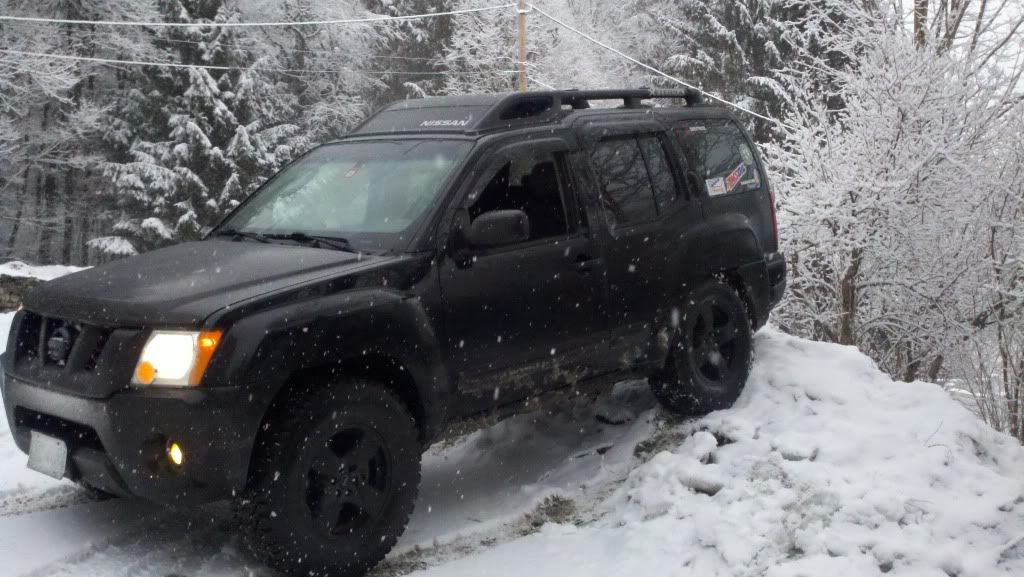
{"x":118,"y":443}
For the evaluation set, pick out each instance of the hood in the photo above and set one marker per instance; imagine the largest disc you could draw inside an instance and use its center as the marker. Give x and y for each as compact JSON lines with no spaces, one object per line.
{"x":184,"y":284}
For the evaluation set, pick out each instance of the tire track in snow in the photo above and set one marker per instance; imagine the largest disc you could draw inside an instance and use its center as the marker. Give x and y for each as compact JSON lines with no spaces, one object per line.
{"x":27,"y":501}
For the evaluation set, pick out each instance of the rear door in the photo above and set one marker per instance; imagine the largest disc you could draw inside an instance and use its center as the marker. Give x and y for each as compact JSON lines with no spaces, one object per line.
{"x":528,"y":316}
{"x":644,"y":210}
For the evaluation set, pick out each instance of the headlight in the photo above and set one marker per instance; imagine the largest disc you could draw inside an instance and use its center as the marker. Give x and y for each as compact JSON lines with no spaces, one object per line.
{"x":175,"y":358}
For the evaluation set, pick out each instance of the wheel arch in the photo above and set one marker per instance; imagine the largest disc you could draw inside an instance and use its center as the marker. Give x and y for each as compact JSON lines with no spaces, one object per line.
{"x":375,"y":334}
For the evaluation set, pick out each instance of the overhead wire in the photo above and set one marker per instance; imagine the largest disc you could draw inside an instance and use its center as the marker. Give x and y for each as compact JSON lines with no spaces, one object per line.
{"x":213,"y":66}
{"x":365,"y":20}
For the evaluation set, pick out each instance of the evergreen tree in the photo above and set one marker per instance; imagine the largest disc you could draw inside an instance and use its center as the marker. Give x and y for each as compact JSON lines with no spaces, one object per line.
{"x":189,"y":143}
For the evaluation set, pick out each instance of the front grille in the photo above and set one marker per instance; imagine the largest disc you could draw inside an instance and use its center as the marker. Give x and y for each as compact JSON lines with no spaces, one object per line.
{"x":58,"y":343}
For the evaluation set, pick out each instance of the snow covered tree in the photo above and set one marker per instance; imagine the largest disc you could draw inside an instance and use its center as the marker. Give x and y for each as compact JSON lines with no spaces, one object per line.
{"x":899,"y":209}
{"x":330,"y":69}
{"x":51,"y":107}
{"x":189,"y":143}
{"x":482,"y":55}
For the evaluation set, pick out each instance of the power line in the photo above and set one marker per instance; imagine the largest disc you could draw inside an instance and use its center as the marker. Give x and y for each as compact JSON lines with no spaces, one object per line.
{"x":655,"y":70}
{"x":214,"y":67}
{"x":321,"y":51}
{"x":367,"y":20}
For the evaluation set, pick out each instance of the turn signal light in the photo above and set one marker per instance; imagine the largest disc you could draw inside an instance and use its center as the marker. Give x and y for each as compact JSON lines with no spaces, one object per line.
{"x":145,"y":373}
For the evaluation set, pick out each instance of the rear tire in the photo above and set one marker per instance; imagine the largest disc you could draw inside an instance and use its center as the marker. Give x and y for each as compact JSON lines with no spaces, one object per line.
{"x":334,"y":483}
{"x":710,"y":353}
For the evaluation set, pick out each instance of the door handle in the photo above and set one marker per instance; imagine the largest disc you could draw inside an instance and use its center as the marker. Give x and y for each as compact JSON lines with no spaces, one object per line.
{"x":586,"y":263}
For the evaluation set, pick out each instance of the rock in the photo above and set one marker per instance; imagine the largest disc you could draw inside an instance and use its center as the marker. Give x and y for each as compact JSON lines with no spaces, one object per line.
{"x":12,"y":290}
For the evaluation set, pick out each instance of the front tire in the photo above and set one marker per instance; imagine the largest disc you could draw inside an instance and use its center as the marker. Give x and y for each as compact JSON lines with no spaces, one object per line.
{"x":710,"y":353}
{"x":335,"y":482}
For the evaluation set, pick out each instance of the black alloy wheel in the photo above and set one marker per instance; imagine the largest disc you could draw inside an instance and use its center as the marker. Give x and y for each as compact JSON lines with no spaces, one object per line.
{"x":710,"y":352}
{"x":334,"y":481}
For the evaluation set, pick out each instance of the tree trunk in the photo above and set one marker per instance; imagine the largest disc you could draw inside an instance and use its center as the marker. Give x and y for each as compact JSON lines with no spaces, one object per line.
{"x":920,"y":22}
{"x":47,"y":218}
{"x":848,"y":298}
{"x":68,"y":230}
{"x":12,"y":239}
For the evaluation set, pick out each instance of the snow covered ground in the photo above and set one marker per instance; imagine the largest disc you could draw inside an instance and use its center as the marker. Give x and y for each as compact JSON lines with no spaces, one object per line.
{"x":825,"y":466}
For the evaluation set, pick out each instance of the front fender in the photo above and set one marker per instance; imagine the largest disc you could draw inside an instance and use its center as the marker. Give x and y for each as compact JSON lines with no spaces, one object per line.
{"x":262,"y":351}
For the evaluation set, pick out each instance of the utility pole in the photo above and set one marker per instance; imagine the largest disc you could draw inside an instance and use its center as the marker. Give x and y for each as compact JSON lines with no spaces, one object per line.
{"x":522,"y":45}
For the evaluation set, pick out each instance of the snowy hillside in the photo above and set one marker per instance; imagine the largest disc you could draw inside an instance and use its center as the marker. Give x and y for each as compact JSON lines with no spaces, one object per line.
{"x":824,"y":467}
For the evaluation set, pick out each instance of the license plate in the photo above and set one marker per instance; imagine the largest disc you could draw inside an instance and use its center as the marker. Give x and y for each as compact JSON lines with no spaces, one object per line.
{"x":48,"y":455}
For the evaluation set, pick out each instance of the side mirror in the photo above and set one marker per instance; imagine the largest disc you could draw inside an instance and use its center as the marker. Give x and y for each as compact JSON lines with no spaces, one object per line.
{"x":498,"y":228}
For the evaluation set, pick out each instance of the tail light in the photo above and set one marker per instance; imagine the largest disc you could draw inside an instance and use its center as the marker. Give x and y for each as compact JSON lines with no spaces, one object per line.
{"x":775,"y":220}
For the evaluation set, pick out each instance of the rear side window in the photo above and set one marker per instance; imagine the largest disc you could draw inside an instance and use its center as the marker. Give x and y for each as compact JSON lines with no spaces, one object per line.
{"x":720,"y":155}
{"x":661,"y":173}
{"x":626,"y":191}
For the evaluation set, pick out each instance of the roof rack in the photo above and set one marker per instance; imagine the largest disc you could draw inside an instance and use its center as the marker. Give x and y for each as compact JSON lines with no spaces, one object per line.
{"x":547,"y":106}
{"x":631,"y":97}
{"x":486,"y":112}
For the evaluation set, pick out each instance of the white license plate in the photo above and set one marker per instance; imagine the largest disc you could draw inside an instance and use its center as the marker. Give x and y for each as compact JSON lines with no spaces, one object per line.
{"x":48,"y":455}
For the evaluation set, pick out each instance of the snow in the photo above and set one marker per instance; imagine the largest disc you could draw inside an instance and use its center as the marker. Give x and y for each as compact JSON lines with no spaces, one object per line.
{"x":47,"y":272}
{"x":824,"y":466}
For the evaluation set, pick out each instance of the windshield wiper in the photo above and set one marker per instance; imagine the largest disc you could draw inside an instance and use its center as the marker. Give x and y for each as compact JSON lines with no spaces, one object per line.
{"x":240,"y":234}
{"x":336,"y":243}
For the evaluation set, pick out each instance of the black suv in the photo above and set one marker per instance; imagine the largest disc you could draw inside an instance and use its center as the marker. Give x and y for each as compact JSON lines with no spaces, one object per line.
{"x":451,"y":257}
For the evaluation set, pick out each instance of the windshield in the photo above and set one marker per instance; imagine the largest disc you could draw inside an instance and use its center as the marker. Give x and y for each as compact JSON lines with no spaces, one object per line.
{"x":369,"y":193}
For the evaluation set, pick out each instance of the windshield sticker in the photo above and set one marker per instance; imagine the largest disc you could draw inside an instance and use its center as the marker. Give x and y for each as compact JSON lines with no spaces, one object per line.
{"x":354,"y":170}
{"x":716,"y":186}
{"x":696,"y":128}
{"x":736,"y":176}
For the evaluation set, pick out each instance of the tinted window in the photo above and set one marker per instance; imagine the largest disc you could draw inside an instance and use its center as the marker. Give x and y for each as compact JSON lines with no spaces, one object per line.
{"x":626,"y":191}
{"x":661,"y":173}
{"x":720,"y":155}
{"x":530,"y":183}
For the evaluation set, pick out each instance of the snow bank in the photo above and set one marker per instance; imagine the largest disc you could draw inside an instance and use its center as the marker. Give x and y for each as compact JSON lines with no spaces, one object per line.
{"x":46,"y":272}
{"x":825,"y":466}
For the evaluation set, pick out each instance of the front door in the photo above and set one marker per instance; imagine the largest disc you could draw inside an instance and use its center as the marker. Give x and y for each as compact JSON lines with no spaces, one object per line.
{"x":523,"y":317}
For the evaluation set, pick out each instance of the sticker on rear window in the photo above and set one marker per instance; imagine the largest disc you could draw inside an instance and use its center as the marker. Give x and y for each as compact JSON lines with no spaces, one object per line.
{"x":716,"y":186}
{"x":735,"y":176}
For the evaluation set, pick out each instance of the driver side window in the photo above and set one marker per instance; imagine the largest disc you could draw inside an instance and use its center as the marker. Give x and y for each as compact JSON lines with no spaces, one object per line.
{"x":529,"y":182}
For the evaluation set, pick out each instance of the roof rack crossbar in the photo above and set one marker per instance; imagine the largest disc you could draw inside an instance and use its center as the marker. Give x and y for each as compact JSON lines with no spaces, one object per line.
{"x":547,"y":106}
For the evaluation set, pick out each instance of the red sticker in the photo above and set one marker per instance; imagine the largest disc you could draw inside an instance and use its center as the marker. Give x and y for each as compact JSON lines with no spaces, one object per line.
{"x":735,"y":176}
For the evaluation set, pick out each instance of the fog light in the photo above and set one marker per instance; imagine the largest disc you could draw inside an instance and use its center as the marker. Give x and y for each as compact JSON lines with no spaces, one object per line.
{"x":175,"y":454}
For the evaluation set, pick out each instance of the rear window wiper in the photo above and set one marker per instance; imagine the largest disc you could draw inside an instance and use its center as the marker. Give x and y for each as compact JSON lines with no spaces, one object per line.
{"x":240,"y":234}
{"x":336,"y":243}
